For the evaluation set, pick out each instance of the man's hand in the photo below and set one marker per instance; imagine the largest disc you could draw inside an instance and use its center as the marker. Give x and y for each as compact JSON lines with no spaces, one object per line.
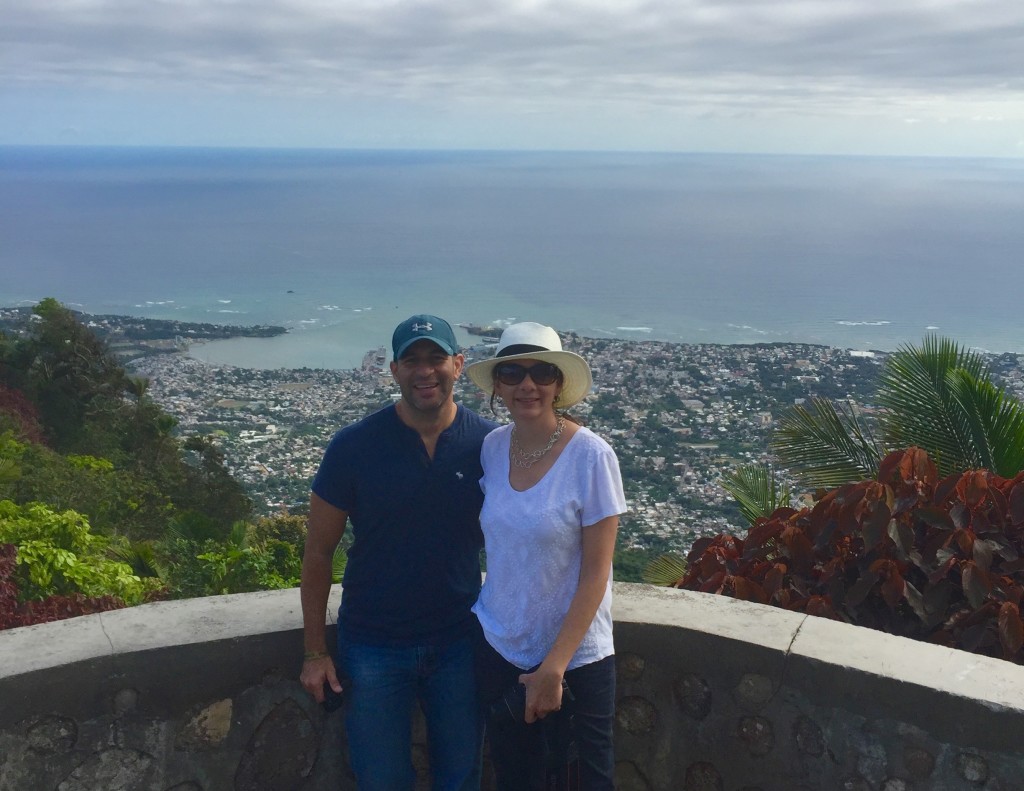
{"x":543,"y":693}
{"x":317,"y":672}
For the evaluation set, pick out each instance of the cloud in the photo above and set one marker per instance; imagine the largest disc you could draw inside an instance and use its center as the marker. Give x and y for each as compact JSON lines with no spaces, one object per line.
{"x":728,"y":59}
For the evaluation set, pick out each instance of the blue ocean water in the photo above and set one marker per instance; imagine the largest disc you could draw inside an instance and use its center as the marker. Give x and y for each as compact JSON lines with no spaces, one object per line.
{"x":341,"y":245}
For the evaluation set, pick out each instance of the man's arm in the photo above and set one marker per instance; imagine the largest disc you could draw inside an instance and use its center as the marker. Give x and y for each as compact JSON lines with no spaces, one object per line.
{"x":325,"y":528}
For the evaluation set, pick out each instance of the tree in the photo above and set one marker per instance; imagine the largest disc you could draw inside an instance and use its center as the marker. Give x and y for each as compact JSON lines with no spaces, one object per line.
{"x":939,"y":397}
{"x":68,"y":373}
{"x":111,"y":452}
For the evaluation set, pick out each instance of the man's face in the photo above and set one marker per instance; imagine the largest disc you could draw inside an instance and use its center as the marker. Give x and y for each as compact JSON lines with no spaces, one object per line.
{"x":426,"y":376}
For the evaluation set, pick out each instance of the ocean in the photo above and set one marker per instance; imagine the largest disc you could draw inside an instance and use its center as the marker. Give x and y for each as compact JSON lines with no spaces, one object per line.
{"x":339,"y":246}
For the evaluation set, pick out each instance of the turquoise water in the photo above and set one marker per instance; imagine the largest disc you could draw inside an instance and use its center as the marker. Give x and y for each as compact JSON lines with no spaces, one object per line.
{"x":340,"y":246}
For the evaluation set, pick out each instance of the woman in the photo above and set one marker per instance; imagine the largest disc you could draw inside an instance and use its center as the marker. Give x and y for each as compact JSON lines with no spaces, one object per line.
{"x":552,"y":499}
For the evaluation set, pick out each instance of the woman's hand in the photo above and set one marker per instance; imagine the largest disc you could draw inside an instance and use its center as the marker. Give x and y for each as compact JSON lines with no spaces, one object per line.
{"x":543,"y":693}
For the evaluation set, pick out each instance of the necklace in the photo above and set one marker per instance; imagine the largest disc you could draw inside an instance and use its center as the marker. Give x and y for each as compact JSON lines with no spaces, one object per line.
{"x":525,"y":459}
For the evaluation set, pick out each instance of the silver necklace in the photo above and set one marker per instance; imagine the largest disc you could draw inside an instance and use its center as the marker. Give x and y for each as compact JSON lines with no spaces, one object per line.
{"x":525,"y":459}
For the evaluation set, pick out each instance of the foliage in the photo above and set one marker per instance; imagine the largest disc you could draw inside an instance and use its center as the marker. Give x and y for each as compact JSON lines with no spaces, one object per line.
{"x":58,"y":554}
{"x":116,"y":502}
{"x":209,"y":487}
{"x":110,"y":451}
{"x":290,"y":528}
{"x":628,"y":564}
{"x":19,"y":415}
{"x":945,"y":403}
{"x":826,"y":445}
{"x":338,"y":563}
{"x":756,"y":489}
{"x":53,"y":608}
{"x":241,"y":563}
{"x":666,"y":570}
{"x":910,"y":553}
{"x":939,"y":397}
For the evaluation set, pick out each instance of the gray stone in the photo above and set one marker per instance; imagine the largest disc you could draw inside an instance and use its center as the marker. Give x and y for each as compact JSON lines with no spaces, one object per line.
{"x":693,"y":695}
{"x":112,"y":770}
{"x":808,"y":736}
{"x":703,"y":776}
{"x":856,"y":784}
{"x":894,"y":784}
{"x":628,"y":777}
{"x":753,"y":691}
{"x":630,"y":666}
{"x":207,"y":729}
{"x":972,"y":768}
{"x":636,"y":715}
{"x":52,"y":734}
{"x":919,"y":762}
{"x":125,"y":700}
{"x":872,"y":763}
{"x":281,"y":753}
{"x":186,"y":786}
{"x":757,"y":734}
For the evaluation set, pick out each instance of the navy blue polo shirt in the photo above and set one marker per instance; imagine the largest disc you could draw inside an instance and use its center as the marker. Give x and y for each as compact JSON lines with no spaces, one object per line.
{"x":413,"y":569}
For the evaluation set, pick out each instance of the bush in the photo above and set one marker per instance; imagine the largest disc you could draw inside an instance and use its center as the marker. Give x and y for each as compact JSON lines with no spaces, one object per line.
{"x":52,"y":608}
{"x":58,"y":555}
{"x":907,"y":553}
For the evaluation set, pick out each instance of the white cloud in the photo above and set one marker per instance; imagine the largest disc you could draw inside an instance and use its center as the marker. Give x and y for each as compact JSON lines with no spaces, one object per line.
{"x":665,"y":60}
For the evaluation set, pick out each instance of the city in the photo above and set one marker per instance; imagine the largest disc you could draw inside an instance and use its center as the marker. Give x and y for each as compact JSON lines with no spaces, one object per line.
{"x":678,"y":416}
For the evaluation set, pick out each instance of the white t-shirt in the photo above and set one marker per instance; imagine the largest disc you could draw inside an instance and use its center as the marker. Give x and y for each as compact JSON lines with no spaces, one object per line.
{"x":534,"y":547}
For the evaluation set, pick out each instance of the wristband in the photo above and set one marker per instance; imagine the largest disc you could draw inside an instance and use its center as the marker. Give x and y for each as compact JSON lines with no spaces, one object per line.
{"x":311,"y":655}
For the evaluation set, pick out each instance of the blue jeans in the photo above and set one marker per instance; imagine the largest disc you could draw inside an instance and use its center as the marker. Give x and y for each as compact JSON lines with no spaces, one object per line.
{"x":385,"y":685}
{"x":520,"y":752}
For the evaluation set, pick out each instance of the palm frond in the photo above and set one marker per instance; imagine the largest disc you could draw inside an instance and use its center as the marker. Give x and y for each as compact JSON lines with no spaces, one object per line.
{"x":941,"y":398}
{"x":827,"y":447}
{"x":141,"y":556}
{"x":338,"y":563}
{"x":239,"y":535}
{"x":994,"y":421}
{"x":756,"y":490}
{"x":921,"y":408}
{"x":665,"y":570}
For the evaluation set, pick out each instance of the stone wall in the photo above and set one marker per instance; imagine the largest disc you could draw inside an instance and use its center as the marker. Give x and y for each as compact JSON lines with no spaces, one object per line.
{"x":713,"y":694}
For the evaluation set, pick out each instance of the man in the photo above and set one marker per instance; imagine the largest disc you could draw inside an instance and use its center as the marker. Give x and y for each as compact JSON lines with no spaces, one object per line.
{"x":407,"y":477}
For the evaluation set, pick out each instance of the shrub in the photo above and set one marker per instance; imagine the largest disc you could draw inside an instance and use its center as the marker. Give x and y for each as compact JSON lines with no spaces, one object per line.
{"x":907,"y":553}
{"x":58,"y":554}
{"x":52,"y":608}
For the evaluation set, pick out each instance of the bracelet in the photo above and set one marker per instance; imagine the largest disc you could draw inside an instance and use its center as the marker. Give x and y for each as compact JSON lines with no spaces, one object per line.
{"x":311,"y":655}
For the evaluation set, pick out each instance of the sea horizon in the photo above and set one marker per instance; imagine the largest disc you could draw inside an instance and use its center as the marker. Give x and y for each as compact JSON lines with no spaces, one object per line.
{"x":339,"y":246}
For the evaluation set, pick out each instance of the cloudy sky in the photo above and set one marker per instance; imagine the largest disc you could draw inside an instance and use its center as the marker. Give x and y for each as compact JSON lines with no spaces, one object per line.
{"x":932,"y":77}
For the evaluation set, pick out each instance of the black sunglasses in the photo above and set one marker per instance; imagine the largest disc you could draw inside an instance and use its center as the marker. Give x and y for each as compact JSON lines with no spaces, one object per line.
{"x":513,"y":373}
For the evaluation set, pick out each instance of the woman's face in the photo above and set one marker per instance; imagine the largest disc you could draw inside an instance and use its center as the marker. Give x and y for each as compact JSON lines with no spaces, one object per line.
{"x":525,"y":397}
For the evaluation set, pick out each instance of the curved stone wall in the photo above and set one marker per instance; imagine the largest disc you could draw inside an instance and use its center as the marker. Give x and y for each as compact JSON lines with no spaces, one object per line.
{"x":714,"y":694}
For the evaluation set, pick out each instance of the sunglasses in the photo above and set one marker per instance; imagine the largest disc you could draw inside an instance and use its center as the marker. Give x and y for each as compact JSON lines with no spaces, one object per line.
{"x":514,"y":373}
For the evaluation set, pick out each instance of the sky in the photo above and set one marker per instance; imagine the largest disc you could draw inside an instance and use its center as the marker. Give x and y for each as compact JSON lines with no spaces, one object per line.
{"x":876,"y":77}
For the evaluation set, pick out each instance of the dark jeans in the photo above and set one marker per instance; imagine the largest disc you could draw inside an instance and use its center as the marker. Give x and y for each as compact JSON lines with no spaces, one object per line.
{"x":519,"y":751}
{"x":386,"y":683}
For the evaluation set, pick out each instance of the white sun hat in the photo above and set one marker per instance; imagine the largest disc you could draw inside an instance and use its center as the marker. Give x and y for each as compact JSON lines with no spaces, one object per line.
{"x":531,"y":341}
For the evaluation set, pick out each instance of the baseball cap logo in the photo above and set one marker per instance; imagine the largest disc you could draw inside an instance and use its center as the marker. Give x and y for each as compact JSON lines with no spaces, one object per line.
{"x":424,"y":327}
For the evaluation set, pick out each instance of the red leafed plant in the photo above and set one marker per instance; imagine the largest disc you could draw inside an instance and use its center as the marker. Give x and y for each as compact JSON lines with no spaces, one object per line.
{"x":907,"y":553}
{"x":52,"y":608}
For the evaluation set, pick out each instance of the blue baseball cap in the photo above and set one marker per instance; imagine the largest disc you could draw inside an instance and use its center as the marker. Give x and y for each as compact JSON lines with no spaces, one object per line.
{"x":424,"y":327}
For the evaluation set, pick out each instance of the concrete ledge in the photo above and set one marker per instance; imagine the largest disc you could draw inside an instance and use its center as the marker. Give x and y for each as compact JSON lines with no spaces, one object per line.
{"x":712,"y":693}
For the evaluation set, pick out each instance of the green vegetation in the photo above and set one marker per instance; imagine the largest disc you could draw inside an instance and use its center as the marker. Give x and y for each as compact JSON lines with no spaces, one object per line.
{"x":939,"y":397}
{"x":58,"y":554}
{"x":101,"y":505}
